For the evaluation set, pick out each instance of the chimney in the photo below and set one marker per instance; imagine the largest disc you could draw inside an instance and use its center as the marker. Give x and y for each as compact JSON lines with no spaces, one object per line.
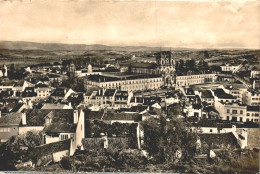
{"x":75,"y":116}
{"x":244,"y":134}
{"x":234,"y":128}
{"x":23,"y":118}
{"x":29,"y":104}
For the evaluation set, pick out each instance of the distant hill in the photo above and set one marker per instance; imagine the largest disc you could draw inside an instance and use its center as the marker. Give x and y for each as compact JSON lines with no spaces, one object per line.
{"x":23,"y":45}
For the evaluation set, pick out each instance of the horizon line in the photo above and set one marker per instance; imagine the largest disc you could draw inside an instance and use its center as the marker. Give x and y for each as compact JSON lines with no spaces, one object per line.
{"x":108,"y":45}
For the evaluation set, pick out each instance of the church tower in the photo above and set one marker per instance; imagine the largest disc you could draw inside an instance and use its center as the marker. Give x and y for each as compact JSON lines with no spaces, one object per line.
{"x":166,"y":66}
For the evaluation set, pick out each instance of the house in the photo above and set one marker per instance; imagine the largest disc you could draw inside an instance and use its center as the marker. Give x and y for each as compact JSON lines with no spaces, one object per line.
{"x":252,"y":98}
{"x":253,"y":113}
{"x":210,"y":112}
{"x":122,"y":99}
{"x":238,"y":91}
{"x":58,"y":124}
{"x":100,"y":97}
{"x":206,"y":96}
{"x":9,"y":125}
{"x":43,"y":91}
{"x":193,"y":110}
{"x":231,"y":111}
{"x":61,"y":94}
{"x":221,"y":96}
{"x":29,"y":93}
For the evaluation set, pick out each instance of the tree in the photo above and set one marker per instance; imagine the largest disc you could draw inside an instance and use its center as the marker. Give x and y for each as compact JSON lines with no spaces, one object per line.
{"x":165,"y":137}
{"x":32,"y":139}
{"x":206,"y":54}
{"x":12,"y":71}
{"x":190,"y":64}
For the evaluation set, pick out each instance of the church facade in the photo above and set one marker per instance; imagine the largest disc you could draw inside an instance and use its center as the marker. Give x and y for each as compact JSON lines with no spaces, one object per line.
{"x":165,"y":66}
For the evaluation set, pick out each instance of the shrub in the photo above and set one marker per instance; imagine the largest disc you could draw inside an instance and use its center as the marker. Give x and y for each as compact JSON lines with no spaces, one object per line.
{"x":65,"y":163}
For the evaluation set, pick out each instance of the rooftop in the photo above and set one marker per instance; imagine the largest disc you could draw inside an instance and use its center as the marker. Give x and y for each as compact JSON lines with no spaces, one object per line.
{"x":10,"y":119}
{"x":215,"y":141}
{"x":206,"y":94}
{"x":48,"y":149}
{"x":144,"y":65}
{"x":220,"y":93}
{"x":118,"y":77}
{"x":253,"y":108}
{"x":62,"y":120}
{"x":121,"y":116}
{"x":54,"y":106}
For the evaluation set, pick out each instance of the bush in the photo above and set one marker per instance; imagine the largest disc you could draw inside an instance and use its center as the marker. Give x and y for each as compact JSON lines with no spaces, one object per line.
{"x":65,"y":163}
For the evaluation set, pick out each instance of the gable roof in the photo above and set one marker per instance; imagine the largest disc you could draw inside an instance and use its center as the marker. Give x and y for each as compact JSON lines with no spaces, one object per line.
{"x":48,"y":149}
{"x":206,"y":94}
{"x":109,"y":92}
{"x":10,"y":119}
{"x":93,"y":115}
{"x":121,"y":116}
{"x":62,"y":120}
{"x":55,"y":106}
{"x":218,"y":140}
{"x":220,"y":93}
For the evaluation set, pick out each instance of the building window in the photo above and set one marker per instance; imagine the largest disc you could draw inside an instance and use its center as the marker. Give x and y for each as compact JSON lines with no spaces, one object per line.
{"x":247,"y":114}
{"x":210,"y":130}
{"x":228,"y":110}
{"x":241,"y":119}
{"x":241,"y":112}
{"x":234,"y":111}
{"x":64,"y":137}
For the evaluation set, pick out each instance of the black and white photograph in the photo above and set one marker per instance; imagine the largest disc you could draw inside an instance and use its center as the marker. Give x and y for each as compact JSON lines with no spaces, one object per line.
{"x":130,"y":86}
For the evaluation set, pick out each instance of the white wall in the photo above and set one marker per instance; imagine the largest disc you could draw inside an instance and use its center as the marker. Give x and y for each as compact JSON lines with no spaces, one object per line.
{"x":49,"y":139}
{"x":80,"y":132}
{"x":59,"y":155}
{"x":25,"y":129}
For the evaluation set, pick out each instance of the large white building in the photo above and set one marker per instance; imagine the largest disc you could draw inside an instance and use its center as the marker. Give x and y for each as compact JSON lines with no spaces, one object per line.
{"x":188,"y":80}
{"x":138,"y":82}
{"x":252,"y":98}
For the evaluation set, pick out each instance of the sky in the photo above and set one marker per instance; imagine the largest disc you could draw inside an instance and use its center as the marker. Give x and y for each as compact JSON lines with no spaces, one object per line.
{"x":205,"y":24}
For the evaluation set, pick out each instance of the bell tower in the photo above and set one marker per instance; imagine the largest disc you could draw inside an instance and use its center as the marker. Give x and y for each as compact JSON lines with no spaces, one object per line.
{"x":166,"y":66}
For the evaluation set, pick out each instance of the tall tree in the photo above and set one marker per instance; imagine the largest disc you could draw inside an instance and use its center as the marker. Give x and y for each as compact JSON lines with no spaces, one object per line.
{"x":164,"y":138}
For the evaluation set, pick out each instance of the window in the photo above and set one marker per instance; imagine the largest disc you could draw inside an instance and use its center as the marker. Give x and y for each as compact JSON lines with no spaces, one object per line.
{"x":227,"y":117}
{"x":228,"y":110}
{"x":241,"y":119}
{"x":210,"y":130}
{"x":64,"y":137}
{"x":234,"y":111}
{"x":5,"y":129}
{"x":241,"y":112}
{"x":256,"y":114}
{"x":247,"y":114}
